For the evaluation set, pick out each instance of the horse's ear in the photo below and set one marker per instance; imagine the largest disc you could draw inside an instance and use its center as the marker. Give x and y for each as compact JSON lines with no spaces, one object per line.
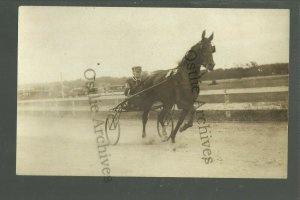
{"x":211,"y":37}
{"x":203,"y":34}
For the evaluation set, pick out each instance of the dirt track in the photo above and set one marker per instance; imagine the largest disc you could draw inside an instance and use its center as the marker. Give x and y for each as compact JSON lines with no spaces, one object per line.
{"x":66,"y":146}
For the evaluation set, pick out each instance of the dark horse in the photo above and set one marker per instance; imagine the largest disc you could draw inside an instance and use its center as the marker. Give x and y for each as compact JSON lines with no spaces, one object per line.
{"x":182,"y":87}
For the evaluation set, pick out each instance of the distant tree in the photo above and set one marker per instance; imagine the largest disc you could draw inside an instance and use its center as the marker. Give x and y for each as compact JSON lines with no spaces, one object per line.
{"x":253,"y":64}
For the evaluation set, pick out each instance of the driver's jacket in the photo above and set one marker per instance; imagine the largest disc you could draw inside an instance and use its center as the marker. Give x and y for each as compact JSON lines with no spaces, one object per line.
{"x":131,"y":86}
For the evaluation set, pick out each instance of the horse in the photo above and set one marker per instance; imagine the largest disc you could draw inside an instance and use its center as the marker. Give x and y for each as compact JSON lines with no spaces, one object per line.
{"x":181,"y":89}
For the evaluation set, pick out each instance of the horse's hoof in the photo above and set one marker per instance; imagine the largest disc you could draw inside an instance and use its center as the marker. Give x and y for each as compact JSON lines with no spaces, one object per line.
{"x":168,"y":138}
{"x":144,"y":135}
{"x":173,"y":140}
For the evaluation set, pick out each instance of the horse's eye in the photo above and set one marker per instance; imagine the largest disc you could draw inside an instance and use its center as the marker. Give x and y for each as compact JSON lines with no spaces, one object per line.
{"x":213,"y":49}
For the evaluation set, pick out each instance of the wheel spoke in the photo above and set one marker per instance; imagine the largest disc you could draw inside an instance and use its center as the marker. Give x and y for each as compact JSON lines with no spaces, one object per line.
{"x":112,"y":128}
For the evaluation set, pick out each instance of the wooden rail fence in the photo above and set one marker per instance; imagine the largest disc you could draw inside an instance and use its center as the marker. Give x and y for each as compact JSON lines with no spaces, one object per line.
{"x":54,"y":105}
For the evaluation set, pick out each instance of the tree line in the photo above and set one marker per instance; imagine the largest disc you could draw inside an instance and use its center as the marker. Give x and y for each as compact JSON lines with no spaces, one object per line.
{"x":248,"y":70}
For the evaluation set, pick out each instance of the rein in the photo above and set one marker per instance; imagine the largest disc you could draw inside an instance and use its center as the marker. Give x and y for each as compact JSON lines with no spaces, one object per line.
{"x":143,"y":91}
{"x":179,"y":69}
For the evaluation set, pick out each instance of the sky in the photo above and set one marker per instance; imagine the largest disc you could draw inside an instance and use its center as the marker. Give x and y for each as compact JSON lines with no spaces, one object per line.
{"x":62,"y":42}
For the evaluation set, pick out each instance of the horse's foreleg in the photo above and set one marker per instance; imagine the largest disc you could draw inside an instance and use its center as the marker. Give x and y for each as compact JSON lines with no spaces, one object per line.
{"x":161,"y":119}
{"x":145,"y":119}
{"x":180,"y":120}
{"x":190,"y":120}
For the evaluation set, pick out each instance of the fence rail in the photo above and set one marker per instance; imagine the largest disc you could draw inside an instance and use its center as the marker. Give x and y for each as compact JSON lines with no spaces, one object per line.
{"x":41,"y":104}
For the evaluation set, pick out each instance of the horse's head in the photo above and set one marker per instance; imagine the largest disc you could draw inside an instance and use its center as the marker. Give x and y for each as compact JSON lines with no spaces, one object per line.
{"x":206,"y":50}
{"x":202,"y":52}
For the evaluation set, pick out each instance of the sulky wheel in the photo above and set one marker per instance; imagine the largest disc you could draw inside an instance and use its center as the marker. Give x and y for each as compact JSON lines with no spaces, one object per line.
{"x":168,"y":126}
{"x":112,"y":129}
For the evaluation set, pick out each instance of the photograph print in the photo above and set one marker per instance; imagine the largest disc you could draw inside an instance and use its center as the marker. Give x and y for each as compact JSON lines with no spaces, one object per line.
{"x":152,"y":92}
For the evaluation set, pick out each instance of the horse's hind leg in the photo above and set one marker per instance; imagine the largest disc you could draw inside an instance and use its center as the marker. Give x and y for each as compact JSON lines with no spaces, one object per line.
{"x":145,"y":119}
{"x":180,"y":120}
{"x":161,"y":119}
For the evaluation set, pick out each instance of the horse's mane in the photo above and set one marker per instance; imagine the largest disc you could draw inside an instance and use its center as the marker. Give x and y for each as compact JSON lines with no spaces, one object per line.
{"x":154,"y":73}
{"x":183,"y":62}
{"x":148,"y":81}
{"x":160,"y":74}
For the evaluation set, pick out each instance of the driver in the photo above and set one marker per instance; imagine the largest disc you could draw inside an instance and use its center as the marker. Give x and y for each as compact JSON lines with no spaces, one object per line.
{"x":133,"y":83}
{"x":131,"y":87}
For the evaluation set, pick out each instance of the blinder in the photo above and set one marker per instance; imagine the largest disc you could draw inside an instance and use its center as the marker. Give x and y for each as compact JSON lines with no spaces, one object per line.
{"x":213,"y":49}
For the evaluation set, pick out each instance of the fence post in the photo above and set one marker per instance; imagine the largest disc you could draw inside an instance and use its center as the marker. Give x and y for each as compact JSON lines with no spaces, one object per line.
{"x":45,"y":106}
{"x":56,"y":107}
{"x":73,"y":107}
{"x":227,"y":112}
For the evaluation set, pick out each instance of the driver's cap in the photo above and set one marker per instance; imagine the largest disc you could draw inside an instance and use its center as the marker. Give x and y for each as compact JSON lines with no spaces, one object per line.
{"x":136,"y":69}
